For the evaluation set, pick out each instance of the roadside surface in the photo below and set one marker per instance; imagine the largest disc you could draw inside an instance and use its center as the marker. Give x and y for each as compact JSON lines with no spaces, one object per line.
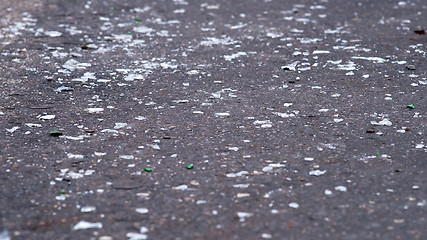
{"x":183,"y":119}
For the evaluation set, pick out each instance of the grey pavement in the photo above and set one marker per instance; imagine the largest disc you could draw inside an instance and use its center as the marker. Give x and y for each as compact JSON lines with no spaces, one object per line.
{"x":213,"y":119}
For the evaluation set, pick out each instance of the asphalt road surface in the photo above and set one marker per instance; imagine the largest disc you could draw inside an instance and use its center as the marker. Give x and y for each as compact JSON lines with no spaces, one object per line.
{"x":213,"y":119}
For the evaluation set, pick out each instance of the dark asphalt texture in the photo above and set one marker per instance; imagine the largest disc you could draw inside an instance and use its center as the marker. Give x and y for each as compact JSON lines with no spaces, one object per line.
{"x":184,"y":119}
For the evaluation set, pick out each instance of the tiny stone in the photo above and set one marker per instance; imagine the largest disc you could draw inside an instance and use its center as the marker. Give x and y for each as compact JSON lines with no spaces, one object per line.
{"x":410,"y":67}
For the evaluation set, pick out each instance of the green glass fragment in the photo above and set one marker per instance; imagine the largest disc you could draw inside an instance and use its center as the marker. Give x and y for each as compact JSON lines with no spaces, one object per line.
{"x":191,"y":166}
{"x":410,"y":106}
{"x":148,"y":169}
{"x":138,"y":20}
{"x":55,"y":133}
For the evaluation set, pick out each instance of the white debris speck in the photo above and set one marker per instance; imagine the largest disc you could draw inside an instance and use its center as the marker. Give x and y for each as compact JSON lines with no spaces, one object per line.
{"x":133,"y":76}
{"x":225,"y":114}
{"x":120,"y":125}
{"x":4,"y":235}
{"x":350,"y":66}
{"x":181,"y":187}
{"x":197,"y":112}
{"x":141,"y":210}
{"x":419,"y":146}
{"x":88,"y":209}
{"x":13,"y":129}
{"x":143,"y":229}
{"x":210,"y":41}
{"x":266,"y":236}
{"x":287,"y":104}
{"x":75,"y":175}
{"x":127,"y":157}
{"x":321,"y":52}
{"x":193,"y":72}
{"x":290,"y":67}
{"x":243,"y":215}
{"x":365,"y":76}
{"x":241,"y":173}
{"x":338,"y":120}
{"x":384,"y":122}
{"x":328,"y":192}
{"x":259,"y":122}
{"x":53,"y":33}
{"x":234,"y":56}
{"x":94,"y":110}
{"x":242,"y":195}
{"x":143,"y":29}
{"x":422,"y":203}
{"x":154,"y":146}
{"x":233,"y":149}
{"x":284,"y":115}
{"x":73,"y":65}
{"x":75,"y":156}
{"x":375,"y":59}
{"x":271,"y":166}
{"x":47,"y":117}
{"x":140,"y":118}
{"x":341,"y":188}
{"x":61,"y":197}
{"x":293,"y":205}
{"x":241,"y":185}
{"x":199,"y":202}
{"x":136,"y":236}
{"x":308,"y":159}
{"x":86,"y":225}
{"x":317,"y":172}
{"x":181,"y":101}
{"x":109,"y":131}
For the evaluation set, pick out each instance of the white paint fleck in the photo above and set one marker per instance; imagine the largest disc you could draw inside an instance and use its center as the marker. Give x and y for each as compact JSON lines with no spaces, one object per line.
{"x":238,"y":174}
{"x":47,"y":117}
{"x":224,"y":114}
{"x":88,"y":209}
{"x":233,"y":149}
{"x":53,"y":33}
{"x":141,"y":210}
{"x":143,"y":29}
{"x":293,"y":205}
{"x":181,"y":187}
{"x":234,"y":56}
{"x":341,"y":188}
{"x":317,"y":172}
{"x":75,"y":156}
{"x":120,"y":125}
{"x":86,"y":225}
{"x":94,"y":110}
{"x":375,"y":59}
{"x":241,"y":185}
{"x":136,"y":236}
{"x":154,"y":146}
{"x":13,"y":129}
{"x":308,"y":159}
{"x":243,"y":215}
{"x":384,"y":122}
{"x":321,"y":52}
{"x":127,"y":157}
{"x":133,"y":76}
{"x":242,"y":195}
{"x":266,"y":236}
{"x":328,"y":192}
